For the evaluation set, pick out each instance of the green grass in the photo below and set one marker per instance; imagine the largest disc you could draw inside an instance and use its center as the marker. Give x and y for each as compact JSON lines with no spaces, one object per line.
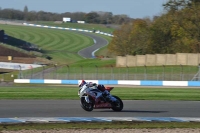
{"x":100,"y":125}
{"x":190,"y":94}
{"x":62,"y":45}
{"x":103,"y":28}
{"x":68,"y":92}
{"x":93,"y":63}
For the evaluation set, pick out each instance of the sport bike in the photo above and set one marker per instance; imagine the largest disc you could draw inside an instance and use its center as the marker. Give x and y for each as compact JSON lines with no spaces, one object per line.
{"x":89,"y":101}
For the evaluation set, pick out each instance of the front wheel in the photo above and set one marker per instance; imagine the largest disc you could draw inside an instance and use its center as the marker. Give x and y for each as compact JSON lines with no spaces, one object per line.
{"x":87,"y":106}
{"x":118,"y":104}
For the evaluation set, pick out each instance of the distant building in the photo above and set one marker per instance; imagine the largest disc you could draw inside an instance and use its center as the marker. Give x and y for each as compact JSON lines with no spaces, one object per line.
{"x":82,"y":22}
{"x":65,"y":19}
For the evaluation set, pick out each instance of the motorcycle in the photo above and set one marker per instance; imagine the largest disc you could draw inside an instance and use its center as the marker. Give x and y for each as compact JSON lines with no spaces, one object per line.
{"x":88,"y":100}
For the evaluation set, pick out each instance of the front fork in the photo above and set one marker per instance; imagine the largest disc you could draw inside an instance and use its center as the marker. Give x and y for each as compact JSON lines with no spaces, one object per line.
{"x":87,"y":99}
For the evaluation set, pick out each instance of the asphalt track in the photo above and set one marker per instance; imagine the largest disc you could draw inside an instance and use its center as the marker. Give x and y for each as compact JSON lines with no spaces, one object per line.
{"x":72,"y":108}
{"x":99,"y":42}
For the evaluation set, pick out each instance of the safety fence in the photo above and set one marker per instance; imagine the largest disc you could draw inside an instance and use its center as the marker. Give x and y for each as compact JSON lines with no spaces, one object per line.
{"x":169,"y":73}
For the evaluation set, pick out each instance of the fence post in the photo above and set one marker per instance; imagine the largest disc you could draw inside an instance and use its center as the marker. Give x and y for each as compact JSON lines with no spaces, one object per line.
{"x":181,"y":73}
{"x":67,"y":71}
{"x":112,"y":72}
{"x":127,"y":72}
{"x":96,"y":72}
{"x":55,"y":72}
{"x":43,"y":71}
{"x":20,"y":72}
{"x":81,"y":72}
{"x":163,"y":72}
{"x":31,"y":73}
{"x":145,"y":72}
{"x":136,"y":72}
{"x":198,"y":74}
{"x":198,"y":78}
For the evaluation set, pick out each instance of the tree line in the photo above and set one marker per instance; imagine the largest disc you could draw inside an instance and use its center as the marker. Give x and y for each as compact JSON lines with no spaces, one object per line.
{"x":91,"y":17}
{"x":175,"y":31}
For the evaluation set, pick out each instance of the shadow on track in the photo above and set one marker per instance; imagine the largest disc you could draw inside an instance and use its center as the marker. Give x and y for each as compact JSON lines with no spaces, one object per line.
{"x":134,"y":111}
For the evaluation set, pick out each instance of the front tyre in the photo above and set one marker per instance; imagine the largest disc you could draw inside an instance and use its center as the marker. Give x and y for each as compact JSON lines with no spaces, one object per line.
{"x":86,"y":106}
{"x":117,"y":105}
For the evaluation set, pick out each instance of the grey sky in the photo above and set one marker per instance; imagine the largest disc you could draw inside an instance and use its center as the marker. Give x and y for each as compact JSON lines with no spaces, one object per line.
{"x":132,"y":8}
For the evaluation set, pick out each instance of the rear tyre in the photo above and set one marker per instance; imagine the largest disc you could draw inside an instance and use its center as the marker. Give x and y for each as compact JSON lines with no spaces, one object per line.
{"x":87,"y":106}
{"x":117,"y":105}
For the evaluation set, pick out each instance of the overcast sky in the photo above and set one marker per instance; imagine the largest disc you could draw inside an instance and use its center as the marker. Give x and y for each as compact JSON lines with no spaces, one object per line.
{"x":132,"y":8}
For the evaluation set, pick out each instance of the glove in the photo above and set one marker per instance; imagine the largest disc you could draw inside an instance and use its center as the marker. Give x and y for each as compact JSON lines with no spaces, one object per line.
{"x":106,"y":93}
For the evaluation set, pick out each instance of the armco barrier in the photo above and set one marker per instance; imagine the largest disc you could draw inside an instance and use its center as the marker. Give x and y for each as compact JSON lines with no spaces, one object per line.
{"x":113,"y":82}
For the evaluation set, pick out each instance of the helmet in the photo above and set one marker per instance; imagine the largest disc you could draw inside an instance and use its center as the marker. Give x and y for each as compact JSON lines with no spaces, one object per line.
{"x":81,"y":83}
{"x":101,"y":87}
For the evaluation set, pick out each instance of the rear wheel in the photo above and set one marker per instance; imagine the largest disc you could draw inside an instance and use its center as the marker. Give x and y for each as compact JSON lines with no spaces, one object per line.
{"x":117,"y":105}
{"x":87,"y":106}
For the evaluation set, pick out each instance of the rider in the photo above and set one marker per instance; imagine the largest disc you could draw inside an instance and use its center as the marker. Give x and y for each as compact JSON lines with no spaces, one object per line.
{"x":100,"y":87}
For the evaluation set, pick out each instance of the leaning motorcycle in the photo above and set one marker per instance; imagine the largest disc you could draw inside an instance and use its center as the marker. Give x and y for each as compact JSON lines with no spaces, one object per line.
{"x":89,"y":102}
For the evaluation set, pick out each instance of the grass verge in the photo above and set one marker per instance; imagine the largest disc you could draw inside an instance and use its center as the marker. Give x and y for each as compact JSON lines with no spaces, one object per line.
{"x":70,"y":92}
{"x":60,"y":45}
{"x":99,"y":125}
